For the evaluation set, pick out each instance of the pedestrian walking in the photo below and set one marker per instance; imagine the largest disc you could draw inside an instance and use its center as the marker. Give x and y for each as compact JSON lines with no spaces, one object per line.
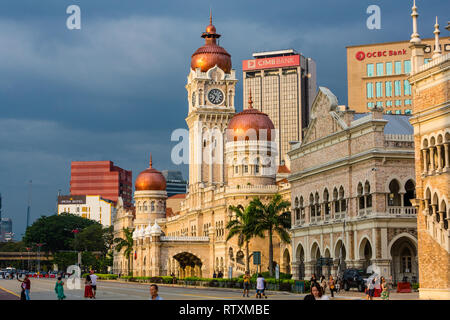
{"x":384,"y":289}
{"x":27,"y":286}
{"x":332,"y":285}
{"x":260,"y":286}
{"x":323,"y":283}
{"x":93,"y":283}
{"x":154,"y":292}
{"x":246,"y":283}
{"x":370,"y":289}
{"x":59,"y":289}
{"x":214,"y":275}
{"x":88,"y":287}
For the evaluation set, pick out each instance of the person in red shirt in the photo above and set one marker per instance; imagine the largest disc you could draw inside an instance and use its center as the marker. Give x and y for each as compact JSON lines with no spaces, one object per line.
{"x":26,"y":284}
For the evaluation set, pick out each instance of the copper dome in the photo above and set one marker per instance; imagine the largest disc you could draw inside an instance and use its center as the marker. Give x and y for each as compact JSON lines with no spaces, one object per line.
{"x":241,"y":123}
{"x":150,"y":179}
{"x":211,"y":54}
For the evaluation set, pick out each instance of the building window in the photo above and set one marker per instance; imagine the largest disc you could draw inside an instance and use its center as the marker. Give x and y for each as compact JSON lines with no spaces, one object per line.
{"x":398,"y":111}
{"x":379,"y":87}
{"x":389,"y":112}
{"x":388,"y":68}
{"x":236,"y":169}
{"x":406,"y":88}
{"x":407,"y":66}
{"x":370,"y":70}
{"x":398,"y":103}
{"x":370,"y":105}
{"x":408,"y":102}
{"x":388,"y":88}
{"x":379,"y":103}
{"x":369,"y":90}
{"x":245,"y":168}
{"x":379,"y":69}
{"x":408,"y":111}
{"x":389,"y":103}
{"x":398,"y":67}
{"x":397,"y":88}
{"x":426,"y":60}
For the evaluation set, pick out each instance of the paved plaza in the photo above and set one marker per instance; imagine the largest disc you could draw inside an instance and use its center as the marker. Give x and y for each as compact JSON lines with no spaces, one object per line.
{"x":43,"y":289}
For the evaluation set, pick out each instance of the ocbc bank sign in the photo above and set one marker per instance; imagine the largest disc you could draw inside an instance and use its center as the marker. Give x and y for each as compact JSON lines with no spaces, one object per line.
{"x":361,"y":55}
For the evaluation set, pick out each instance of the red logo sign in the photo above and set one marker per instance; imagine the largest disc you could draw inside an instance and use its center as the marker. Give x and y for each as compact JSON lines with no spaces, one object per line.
{"x":360,"y":55}
{"x":268,"y":63}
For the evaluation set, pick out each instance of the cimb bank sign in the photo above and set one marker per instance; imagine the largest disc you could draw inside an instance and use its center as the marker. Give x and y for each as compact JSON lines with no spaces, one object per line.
{"x":271,"y":63}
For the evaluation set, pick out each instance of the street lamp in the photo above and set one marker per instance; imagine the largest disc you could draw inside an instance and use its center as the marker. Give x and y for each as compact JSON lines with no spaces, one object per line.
{"x":39,"y":245}
{"x":28,"y":249}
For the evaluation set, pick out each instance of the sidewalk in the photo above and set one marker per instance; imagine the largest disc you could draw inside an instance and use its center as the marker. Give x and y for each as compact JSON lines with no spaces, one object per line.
{"x":353,"y":295}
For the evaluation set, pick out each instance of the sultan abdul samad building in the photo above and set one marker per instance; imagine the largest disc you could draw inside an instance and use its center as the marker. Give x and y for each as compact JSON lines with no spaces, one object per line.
{"x":186,"y":235}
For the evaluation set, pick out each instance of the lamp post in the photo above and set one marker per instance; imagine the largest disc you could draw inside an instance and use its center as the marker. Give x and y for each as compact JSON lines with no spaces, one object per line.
{"x":28,"y":249}
{"x":39,"y":245}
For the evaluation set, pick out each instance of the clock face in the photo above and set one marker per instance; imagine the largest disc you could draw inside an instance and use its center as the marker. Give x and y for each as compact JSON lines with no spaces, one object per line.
{"x":193,"y":98}
{"x":215,"y":96}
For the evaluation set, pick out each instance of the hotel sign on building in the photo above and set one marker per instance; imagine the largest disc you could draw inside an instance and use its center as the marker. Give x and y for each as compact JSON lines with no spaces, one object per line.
{"x":92,"y":207}
{"x":377,"y":75}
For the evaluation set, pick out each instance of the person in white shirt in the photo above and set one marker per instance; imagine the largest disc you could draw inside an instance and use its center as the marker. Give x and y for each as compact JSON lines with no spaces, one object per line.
{"x":94,"y":283}
{"x":260,"y":286}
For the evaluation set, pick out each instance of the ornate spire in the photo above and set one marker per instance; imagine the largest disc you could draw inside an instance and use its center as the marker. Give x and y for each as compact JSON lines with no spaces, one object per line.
{"x":437,"y":49}
{"x":415,"y":35}
{"x":151,"y":162}
{"x":210,"y":16}
{"x":250,"y":101}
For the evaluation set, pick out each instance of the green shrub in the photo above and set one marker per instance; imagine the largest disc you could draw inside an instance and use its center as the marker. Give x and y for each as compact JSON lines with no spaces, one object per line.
{"x":415,"y":286}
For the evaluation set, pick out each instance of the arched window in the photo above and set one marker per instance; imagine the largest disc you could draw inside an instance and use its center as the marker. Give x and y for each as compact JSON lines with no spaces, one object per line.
{"x":361,"y":202}
{"x":312,"y":208}
{"x":342,"y":199}
{"x":410,"y":193}
{"x":296,"y":209}
{"x":302,"y":210}
{"x":326,"y":198}
{"x":337,"y":208}
{"x":394,"y":198}
{"x":152,"y":206}
{"x":257,"y":165}
{"x":368,"y":195}
{"x":145,"y":205}
{"x":317,"y":205}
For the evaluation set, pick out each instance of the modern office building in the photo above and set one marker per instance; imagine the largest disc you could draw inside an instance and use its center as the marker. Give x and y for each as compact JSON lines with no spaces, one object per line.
{"x":175,"y":184}
{"x":6,"y":233}
{"x":283,"y":85}
{"x":90,"y":207}
{"x":377,"y":75}
{"x":101,"y":178}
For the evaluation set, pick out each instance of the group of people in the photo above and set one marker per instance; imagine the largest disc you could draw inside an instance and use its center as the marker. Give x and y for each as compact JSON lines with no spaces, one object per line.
{"x":319,"y":287}
{"x":218,"y":275}
{"x":372,"y":284}
{"x":261,"y":285}
{"x":90,"y":287}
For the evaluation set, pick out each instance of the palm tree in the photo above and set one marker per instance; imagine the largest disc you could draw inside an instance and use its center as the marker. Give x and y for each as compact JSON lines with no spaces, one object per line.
{"x":243,"y":227}
{"x":273,"y":218}
{"x":126,"y":243}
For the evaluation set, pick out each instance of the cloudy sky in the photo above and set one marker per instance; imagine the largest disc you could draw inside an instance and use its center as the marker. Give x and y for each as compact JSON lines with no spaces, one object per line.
{"x":114,"y":90}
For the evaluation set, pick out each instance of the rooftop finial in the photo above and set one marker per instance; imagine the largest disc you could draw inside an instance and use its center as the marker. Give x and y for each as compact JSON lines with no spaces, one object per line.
{"x":437,"y":48}
{"x":250,"y":101}
{"x":415,"y":35}
{"x":151,"y":162}
{"x":210,"y":15}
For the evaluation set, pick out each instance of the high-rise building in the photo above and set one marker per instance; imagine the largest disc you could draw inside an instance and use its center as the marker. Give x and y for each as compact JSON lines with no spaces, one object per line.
{"x":175,"y":184}
{"x":6,"y":229}
{"x":89,"y":207}
{"x":377,"y":75}
{"x":101,"y":178}
{"x":283,"y":85}
{"x":431,"y":121}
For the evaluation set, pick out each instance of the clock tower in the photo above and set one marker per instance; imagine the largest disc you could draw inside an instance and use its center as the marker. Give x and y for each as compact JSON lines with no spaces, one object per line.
{"x":211,"y":87}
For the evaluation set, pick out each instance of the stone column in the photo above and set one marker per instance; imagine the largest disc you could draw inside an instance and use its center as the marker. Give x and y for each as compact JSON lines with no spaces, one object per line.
{"x":439,"y":164}
{"x":425,"y":164}
{"x":309,"y":269}
{"x":447,"y":165}
{"x":433,"y":165}
{"x":296,"y":270}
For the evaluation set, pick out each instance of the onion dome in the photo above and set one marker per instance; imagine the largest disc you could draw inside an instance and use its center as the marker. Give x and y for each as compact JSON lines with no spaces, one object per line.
{"x":211,"y":54}
{"x":148,"y":231}
{"x":141,"y":233}
{"x":241,"y":125}
{"x":156,"y":229}
{"x":150,"y":179}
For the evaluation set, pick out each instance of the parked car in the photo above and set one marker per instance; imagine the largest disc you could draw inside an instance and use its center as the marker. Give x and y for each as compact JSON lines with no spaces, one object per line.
{"x":355,"y":278}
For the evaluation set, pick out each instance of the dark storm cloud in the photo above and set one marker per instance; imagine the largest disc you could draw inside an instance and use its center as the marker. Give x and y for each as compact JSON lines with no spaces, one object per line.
{"x":114,"y":90}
